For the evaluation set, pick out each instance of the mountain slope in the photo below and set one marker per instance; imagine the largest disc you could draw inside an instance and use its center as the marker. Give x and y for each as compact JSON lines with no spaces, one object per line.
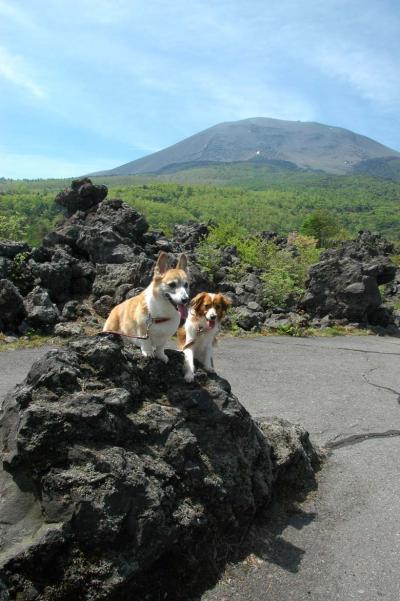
{"x":310,"y":146}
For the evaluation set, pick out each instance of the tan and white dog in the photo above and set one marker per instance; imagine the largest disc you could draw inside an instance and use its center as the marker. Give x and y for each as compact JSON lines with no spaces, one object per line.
{"x":197,"y":337}
{"x":153,"y":316}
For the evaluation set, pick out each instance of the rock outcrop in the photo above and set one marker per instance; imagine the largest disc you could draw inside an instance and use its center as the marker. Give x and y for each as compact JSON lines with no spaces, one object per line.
{"x":82,"y":196}
{"x":345,"y":283}
{"x":121,"y":479}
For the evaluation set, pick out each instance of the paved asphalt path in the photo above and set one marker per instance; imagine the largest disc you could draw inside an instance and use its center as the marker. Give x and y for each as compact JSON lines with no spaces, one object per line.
{"x":345,"y":544}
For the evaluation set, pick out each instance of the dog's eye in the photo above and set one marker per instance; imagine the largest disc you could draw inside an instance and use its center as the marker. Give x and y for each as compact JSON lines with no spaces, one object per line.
{"x":186,"y":284}
{"x":172,"y":285}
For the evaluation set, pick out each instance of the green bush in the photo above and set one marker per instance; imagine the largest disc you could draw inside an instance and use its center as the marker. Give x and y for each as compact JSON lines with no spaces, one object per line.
{"x":284,"y":272}
{"x":13,"y":227}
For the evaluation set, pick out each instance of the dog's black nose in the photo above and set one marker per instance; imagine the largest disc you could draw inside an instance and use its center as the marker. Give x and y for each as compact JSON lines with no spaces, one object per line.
{"x":185,"y":301}
{"x":213,"y":317}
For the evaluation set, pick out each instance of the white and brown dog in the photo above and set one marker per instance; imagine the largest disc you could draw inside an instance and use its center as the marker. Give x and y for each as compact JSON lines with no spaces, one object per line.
{"x":153,"y":316}
{"x":197,"y":337}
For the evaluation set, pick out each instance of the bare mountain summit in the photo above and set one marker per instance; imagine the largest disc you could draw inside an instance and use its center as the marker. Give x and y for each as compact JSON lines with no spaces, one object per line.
{"x":310,"y":146}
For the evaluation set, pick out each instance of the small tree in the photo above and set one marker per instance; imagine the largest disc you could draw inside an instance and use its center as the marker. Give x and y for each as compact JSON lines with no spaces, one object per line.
{"x":13,"y":227}
{"x":322,"y":225}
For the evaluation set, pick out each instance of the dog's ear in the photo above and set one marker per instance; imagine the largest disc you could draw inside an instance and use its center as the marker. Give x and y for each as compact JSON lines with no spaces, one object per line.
{"x":197,"y":301}
{"x":161,"y":265}
{"x":182,"y":262}
{"x":225,"y":301}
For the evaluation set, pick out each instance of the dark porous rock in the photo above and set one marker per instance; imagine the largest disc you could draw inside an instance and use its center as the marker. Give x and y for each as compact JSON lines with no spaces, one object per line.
{"x":365,"y":247}
{"x":345,"y":283}
{"x":82,"y":278}
{"x":112,"y":233}
{"x":279,"y":241}
{"x":392,"y":290}
{"x":82,"y":196}
{"x":253,"y":306}
{"x":162,"y":244}
{"x":110,"y":279}
{"x":382,"y":316}
{"x":295,"y":460}
{"x":103,"y":305}
{"x":56,"y":276}
{"x":247,"y":319}
{"x":5,"y":268}
{"x":122,"y":480}
{"x":189,"y":235}
{"x":41,"y":254}
{"x":10,"y":249}
{"x":68,"y":330}
{"x":199,"y":280}
{"x":40,"y":311}
{"x":12,"y":310}
{"x":74,"y":309}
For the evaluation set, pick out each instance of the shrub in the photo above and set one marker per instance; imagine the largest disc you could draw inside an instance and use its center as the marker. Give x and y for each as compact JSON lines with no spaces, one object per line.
{"x":13,"y":227}
{"x":284,"y":272}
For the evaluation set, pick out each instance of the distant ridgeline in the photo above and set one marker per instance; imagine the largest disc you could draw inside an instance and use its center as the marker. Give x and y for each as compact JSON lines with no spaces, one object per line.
{"x":254,"y":196}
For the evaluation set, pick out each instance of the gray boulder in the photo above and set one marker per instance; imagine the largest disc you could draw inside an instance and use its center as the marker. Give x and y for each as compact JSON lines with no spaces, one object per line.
{"x":82,"y":196}
{"x":5,"y":268}
{"x":12,"y":310}
{"x":115,"y":280}
{"x":10,"y":249}
{"x":68,"y":330}
{"x":187,"y":236}
{"x":40,"y":311}
{"x":121,"y":479}
{"x":345,"y":283}
{"x":248,"y":319}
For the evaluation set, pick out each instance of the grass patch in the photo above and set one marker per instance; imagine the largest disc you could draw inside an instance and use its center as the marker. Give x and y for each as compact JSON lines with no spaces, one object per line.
{"x":31,"y":341}
{"x":295,"y":331}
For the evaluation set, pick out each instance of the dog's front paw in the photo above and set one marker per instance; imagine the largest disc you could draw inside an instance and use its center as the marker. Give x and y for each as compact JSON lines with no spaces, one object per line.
{"x":148,"y":353}
{"x":189,"y":377}
{"x":162,"y":356}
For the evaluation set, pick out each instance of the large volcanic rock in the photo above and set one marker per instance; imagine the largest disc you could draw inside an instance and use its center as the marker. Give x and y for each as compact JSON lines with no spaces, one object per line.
{"x":345,"y":283}
{"x":12,"y":309}
{"x":108,"y":234}
{"x":121,"y":478}
{"x":81,"y":196}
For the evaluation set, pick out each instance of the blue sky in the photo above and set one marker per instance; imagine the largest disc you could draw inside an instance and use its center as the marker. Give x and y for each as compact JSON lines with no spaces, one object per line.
{"x":91,"y":84}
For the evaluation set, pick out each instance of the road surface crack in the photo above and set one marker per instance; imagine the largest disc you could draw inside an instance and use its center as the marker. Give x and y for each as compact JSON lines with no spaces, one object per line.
{"x":392,"y":390}
{"x":334,"y":348}
{"x":357,"y":438}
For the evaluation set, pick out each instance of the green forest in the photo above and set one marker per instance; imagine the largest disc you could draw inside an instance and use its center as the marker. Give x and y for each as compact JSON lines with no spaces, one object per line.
{"x":254,"y":198}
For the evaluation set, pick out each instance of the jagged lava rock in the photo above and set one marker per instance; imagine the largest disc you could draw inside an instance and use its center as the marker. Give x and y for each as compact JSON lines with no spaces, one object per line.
{"x":115,"y":467}
{"x":82,"y":196}
{"x":40,"y":311}
{"x":12,"y":309}
{"x":345,"y":283}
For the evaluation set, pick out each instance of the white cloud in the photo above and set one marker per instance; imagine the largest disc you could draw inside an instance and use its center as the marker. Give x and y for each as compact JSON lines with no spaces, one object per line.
{"x":373,"y":75}
{"x":14,"y":69}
